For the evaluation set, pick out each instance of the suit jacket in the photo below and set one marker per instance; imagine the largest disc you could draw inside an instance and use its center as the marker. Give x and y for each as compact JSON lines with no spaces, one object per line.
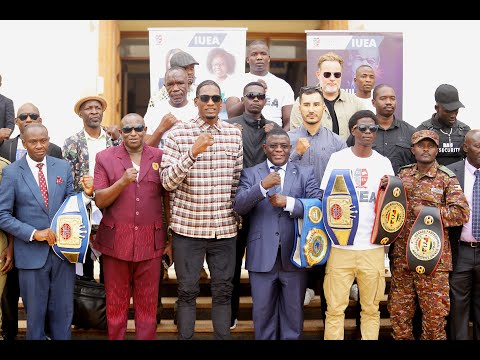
{"x":131,"y":228}
{"x":7,"y":113}
{"x":272,"y":226}
{"x":75,"y":151}
{"x":455,"y":232}
{"x":8,"y":149}
{"x":22,"y":209}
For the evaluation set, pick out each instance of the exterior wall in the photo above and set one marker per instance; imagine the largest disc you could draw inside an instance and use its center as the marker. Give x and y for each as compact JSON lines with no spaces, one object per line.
{"x":50,"y":64}
{"x":434,"y":52}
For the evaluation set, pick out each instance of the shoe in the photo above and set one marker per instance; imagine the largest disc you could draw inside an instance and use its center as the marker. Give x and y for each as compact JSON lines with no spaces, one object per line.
{"x":233,"y":324}
{"x":203,"y":274}
{"x":309,"y":295}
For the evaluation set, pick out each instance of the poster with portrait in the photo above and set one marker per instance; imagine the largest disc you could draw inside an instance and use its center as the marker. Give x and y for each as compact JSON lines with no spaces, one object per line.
{"x":220,"y":53}
{"x":383,"y":51}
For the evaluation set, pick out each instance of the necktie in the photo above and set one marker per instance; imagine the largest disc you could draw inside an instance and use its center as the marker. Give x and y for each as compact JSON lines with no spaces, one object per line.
{"x":278,"y":188}
{"x":476,"y":206}
{"x":43,"y":184}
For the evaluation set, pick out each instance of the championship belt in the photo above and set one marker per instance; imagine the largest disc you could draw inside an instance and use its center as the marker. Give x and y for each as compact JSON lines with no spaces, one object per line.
{"x":390,"y":211}
{"x":72,"y":226}
{"x":425,"y":243}
{"x":340,"y":206}
{"x":311,"y":245}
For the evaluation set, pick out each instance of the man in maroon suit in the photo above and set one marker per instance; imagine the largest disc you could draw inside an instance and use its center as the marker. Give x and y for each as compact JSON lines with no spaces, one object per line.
{"x":131,"y":235}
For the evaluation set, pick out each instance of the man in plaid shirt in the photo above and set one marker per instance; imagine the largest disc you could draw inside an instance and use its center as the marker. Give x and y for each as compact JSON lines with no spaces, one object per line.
{"x":201,"y":167}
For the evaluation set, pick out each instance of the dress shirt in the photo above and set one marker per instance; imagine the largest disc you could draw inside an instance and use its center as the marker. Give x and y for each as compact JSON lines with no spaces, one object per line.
{"x":290,"y":201}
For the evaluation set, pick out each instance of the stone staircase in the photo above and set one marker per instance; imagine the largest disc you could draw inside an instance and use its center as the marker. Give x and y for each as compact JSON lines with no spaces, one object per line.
{"x":167,"y":330}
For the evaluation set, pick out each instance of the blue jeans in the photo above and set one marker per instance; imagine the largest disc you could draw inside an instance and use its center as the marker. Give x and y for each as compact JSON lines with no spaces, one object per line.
{"x":188,"y":255}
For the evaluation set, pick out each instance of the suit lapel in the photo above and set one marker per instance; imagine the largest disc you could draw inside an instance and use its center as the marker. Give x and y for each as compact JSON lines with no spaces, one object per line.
{"x":122,"y":154}
{"x":51,"y":180}
{"x":147,"y":157}
{"x":290,"y":176}
{"x":32,"y":184}
{"x":461,"y":174}
{"x":263,"y":170}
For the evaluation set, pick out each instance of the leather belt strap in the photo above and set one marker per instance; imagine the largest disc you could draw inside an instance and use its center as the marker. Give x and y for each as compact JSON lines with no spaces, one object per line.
{"x":425,"y":243}
{"x":390,"y":211}
{"x":472,"y":244}
{"x":311,"y":244}
{"x":340,"y":207}
{"x":72,"y":225}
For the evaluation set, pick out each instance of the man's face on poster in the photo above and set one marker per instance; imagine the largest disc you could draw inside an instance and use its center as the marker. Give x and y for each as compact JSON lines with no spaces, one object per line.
{"x":365,"y":56}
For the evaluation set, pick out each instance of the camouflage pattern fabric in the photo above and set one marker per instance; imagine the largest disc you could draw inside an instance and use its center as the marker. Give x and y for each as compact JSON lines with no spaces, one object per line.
{"x":440,"y":188}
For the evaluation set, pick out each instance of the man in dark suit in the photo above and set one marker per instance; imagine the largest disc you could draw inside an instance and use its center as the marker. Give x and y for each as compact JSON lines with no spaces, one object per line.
{"x":32,"y":190}
{"x":269,"y":193}
{"x":12,"y":149}
{"x":7,"y":116}
{"x":465,"y":277}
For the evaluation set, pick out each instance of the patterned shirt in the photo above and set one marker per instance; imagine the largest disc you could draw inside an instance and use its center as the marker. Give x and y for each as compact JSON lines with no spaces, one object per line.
{"x":203,"y":189}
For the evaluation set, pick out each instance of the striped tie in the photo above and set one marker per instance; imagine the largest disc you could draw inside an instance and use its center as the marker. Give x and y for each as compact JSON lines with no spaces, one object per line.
{"x":43,"y":184}
{"x":278,"y":188}
{"x":476,"y":206}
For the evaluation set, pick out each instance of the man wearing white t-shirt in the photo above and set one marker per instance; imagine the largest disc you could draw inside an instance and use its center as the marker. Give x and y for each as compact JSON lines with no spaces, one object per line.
{"x":161,"y":118}
{"x":280,"y":97}
{"x":362,"y":261}
{"x":364,"y":81}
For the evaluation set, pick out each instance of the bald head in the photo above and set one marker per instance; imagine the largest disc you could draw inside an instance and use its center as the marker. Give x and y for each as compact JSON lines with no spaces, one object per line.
{"x":28,"y":108}
{"x":471,"y":147}
{"x":27,"y":114}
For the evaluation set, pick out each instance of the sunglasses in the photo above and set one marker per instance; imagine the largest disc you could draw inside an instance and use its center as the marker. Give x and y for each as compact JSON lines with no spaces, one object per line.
{"x":206,"y":98}
{"x":128,"y":129}
{"x":252,"y":96}
{"x":327,"y":74}
{"x":363,"y":128}
{"x":24,"y":117}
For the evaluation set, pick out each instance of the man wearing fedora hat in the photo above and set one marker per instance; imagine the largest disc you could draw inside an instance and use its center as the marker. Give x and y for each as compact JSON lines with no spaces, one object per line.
{"x":80,"y":151}
{"x":451,"y":131}
{"x":186,"y":61}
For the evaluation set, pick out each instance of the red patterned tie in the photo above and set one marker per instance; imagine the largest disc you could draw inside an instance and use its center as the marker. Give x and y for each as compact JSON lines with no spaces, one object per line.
{"x":43,"y":184}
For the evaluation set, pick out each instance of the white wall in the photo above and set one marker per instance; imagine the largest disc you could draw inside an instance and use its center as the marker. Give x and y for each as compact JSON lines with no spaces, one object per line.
{"x":435,"y":52}
{"x":50,"y":64}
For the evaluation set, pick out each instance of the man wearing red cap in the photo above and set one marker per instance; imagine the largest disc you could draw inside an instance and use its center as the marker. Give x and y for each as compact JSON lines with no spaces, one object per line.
{"x":426,"y":184}
{"x":451,"y":131}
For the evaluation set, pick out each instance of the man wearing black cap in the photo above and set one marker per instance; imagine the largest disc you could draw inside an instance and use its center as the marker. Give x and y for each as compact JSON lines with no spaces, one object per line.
{"x":186,"y":61}
{"x":451,"y":131}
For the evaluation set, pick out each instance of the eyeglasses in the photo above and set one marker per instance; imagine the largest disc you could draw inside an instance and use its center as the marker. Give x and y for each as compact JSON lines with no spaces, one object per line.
{"x":363,"y":128}
{"x":24,"y":117}
{"x":128,"y":129}
{"x":327,"y":74}
{"x":274,"y":146}
{"x":252,"y":96}
{"x":206,"y":98}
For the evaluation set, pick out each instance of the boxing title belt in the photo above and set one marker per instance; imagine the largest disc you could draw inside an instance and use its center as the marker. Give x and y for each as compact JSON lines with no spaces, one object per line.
{"x":425,"y":243}
{"x":390,"y":210}
{"x":340,"y":208}
{"x":72,"y":227}
{"x":311,"y":245}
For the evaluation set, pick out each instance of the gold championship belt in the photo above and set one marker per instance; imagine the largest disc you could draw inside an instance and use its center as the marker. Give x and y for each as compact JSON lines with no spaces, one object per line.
{"x":71,"y":225}
{"x":340,"y":208}
{"x":425,"y":244}
{"x":390,"y":211}
{"x":311,"y":245}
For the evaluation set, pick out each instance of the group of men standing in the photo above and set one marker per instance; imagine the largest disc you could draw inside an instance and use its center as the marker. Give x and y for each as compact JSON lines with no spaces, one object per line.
{"x":219,"y":187}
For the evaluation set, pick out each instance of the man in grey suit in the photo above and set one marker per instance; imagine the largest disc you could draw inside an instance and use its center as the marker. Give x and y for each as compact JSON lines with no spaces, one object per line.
{"x":269,"y":193}
{"x":465,"y":277}
{"x":12,"y":150}
{"x":32,"y":190}
{"x":7,"y":116}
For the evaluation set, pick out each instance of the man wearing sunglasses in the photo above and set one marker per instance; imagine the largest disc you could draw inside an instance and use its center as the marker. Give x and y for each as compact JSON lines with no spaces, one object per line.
{"x":201,"y":168}
{"x":312,"y":145}
{"x":80,"y":150}
{"x":131,"y":235}
{"x":280,"y":97}
{"x":340,"y":105}
{"x":362,"y":260}
{"x":7,"y":116}
{"x":254,"y":129}
{"x":13,"y":149}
